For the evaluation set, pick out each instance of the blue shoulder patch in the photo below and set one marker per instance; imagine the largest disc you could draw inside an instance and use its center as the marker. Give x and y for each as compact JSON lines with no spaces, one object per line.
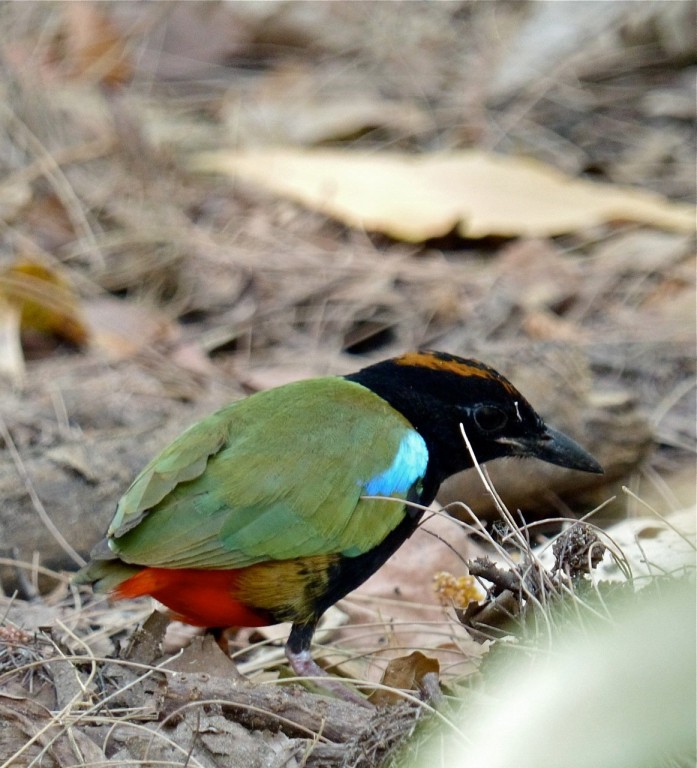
{"x":408,"y":467}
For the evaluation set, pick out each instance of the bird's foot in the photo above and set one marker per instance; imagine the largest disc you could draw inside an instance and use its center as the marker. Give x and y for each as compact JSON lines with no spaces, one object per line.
{"x":304,"y":665}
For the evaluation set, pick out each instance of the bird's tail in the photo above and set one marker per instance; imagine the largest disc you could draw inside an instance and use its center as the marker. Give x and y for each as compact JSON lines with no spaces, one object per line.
{"x":105,"y":572}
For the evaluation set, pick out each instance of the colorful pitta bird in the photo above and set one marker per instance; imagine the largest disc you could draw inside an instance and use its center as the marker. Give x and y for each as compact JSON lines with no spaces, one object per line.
{"x":265,"y":511}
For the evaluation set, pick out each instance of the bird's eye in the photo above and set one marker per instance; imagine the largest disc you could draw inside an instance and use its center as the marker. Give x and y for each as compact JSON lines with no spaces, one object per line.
{"x":489,"y":418}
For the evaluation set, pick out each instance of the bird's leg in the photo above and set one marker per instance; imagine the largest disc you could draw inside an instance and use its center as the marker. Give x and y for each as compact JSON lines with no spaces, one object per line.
{"x":220,"y":635}
{"x":301,"y":661}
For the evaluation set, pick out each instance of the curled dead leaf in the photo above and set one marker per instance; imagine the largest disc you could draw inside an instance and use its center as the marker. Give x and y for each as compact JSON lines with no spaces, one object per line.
{"x":34,"y":297}
{"x":46,"y":301}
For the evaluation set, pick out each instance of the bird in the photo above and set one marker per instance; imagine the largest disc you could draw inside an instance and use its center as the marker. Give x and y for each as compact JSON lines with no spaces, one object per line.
{"x":278,"y":505}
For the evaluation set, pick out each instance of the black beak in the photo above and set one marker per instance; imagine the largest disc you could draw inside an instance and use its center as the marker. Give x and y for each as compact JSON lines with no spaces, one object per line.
{"x":556,"y":448}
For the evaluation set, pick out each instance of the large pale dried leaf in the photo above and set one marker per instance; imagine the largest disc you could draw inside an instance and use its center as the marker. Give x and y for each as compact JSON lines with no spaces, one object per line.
{"x":475,"y":193}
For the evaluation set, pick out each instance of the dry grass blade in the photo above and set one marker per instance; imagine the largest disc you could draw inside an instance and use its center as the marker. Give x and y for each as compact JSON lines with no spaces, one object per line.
{"x":61,"y":185}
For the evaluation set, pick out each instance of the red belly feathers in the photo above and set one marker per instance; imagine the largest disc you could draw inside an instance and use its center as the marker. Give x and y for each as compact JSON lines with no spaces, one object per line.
{"x":199,"y":597}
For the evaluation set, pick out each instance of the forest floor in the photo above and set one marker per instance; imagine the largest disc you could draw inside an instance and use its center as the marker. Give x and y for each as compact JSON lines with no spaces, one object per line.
{"x":147,"y":276}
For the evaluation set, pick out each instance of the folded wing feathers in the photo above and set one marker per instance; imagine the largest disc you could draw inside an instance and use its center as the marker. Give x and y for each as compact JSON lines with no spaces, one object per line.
{"x":215,"y":499}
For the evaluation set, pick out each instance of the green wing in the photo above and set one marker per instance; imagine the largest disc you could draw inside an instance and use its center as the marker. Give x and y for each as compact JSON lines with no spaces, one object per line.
{"x":276,"y":476}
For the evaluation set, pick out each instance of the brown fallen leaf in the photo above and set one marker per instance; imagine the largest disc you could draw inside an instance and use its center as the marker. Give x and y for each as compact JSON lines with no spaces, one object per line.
{"x":93,"y":46}
{"x":475,"y":193}
{"x":47,"y":218}
{"x":545,"y":325}
{"x":294,"y":106}
{"x":121,"y":329}
{"x":33,"y":735}
{"x":415,"y":672}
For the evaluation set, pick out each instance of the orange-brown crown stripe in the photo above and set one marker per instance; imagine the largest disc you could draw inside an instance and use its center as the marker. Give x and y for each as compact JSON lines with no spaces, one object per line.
{"x":459,"y":367}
